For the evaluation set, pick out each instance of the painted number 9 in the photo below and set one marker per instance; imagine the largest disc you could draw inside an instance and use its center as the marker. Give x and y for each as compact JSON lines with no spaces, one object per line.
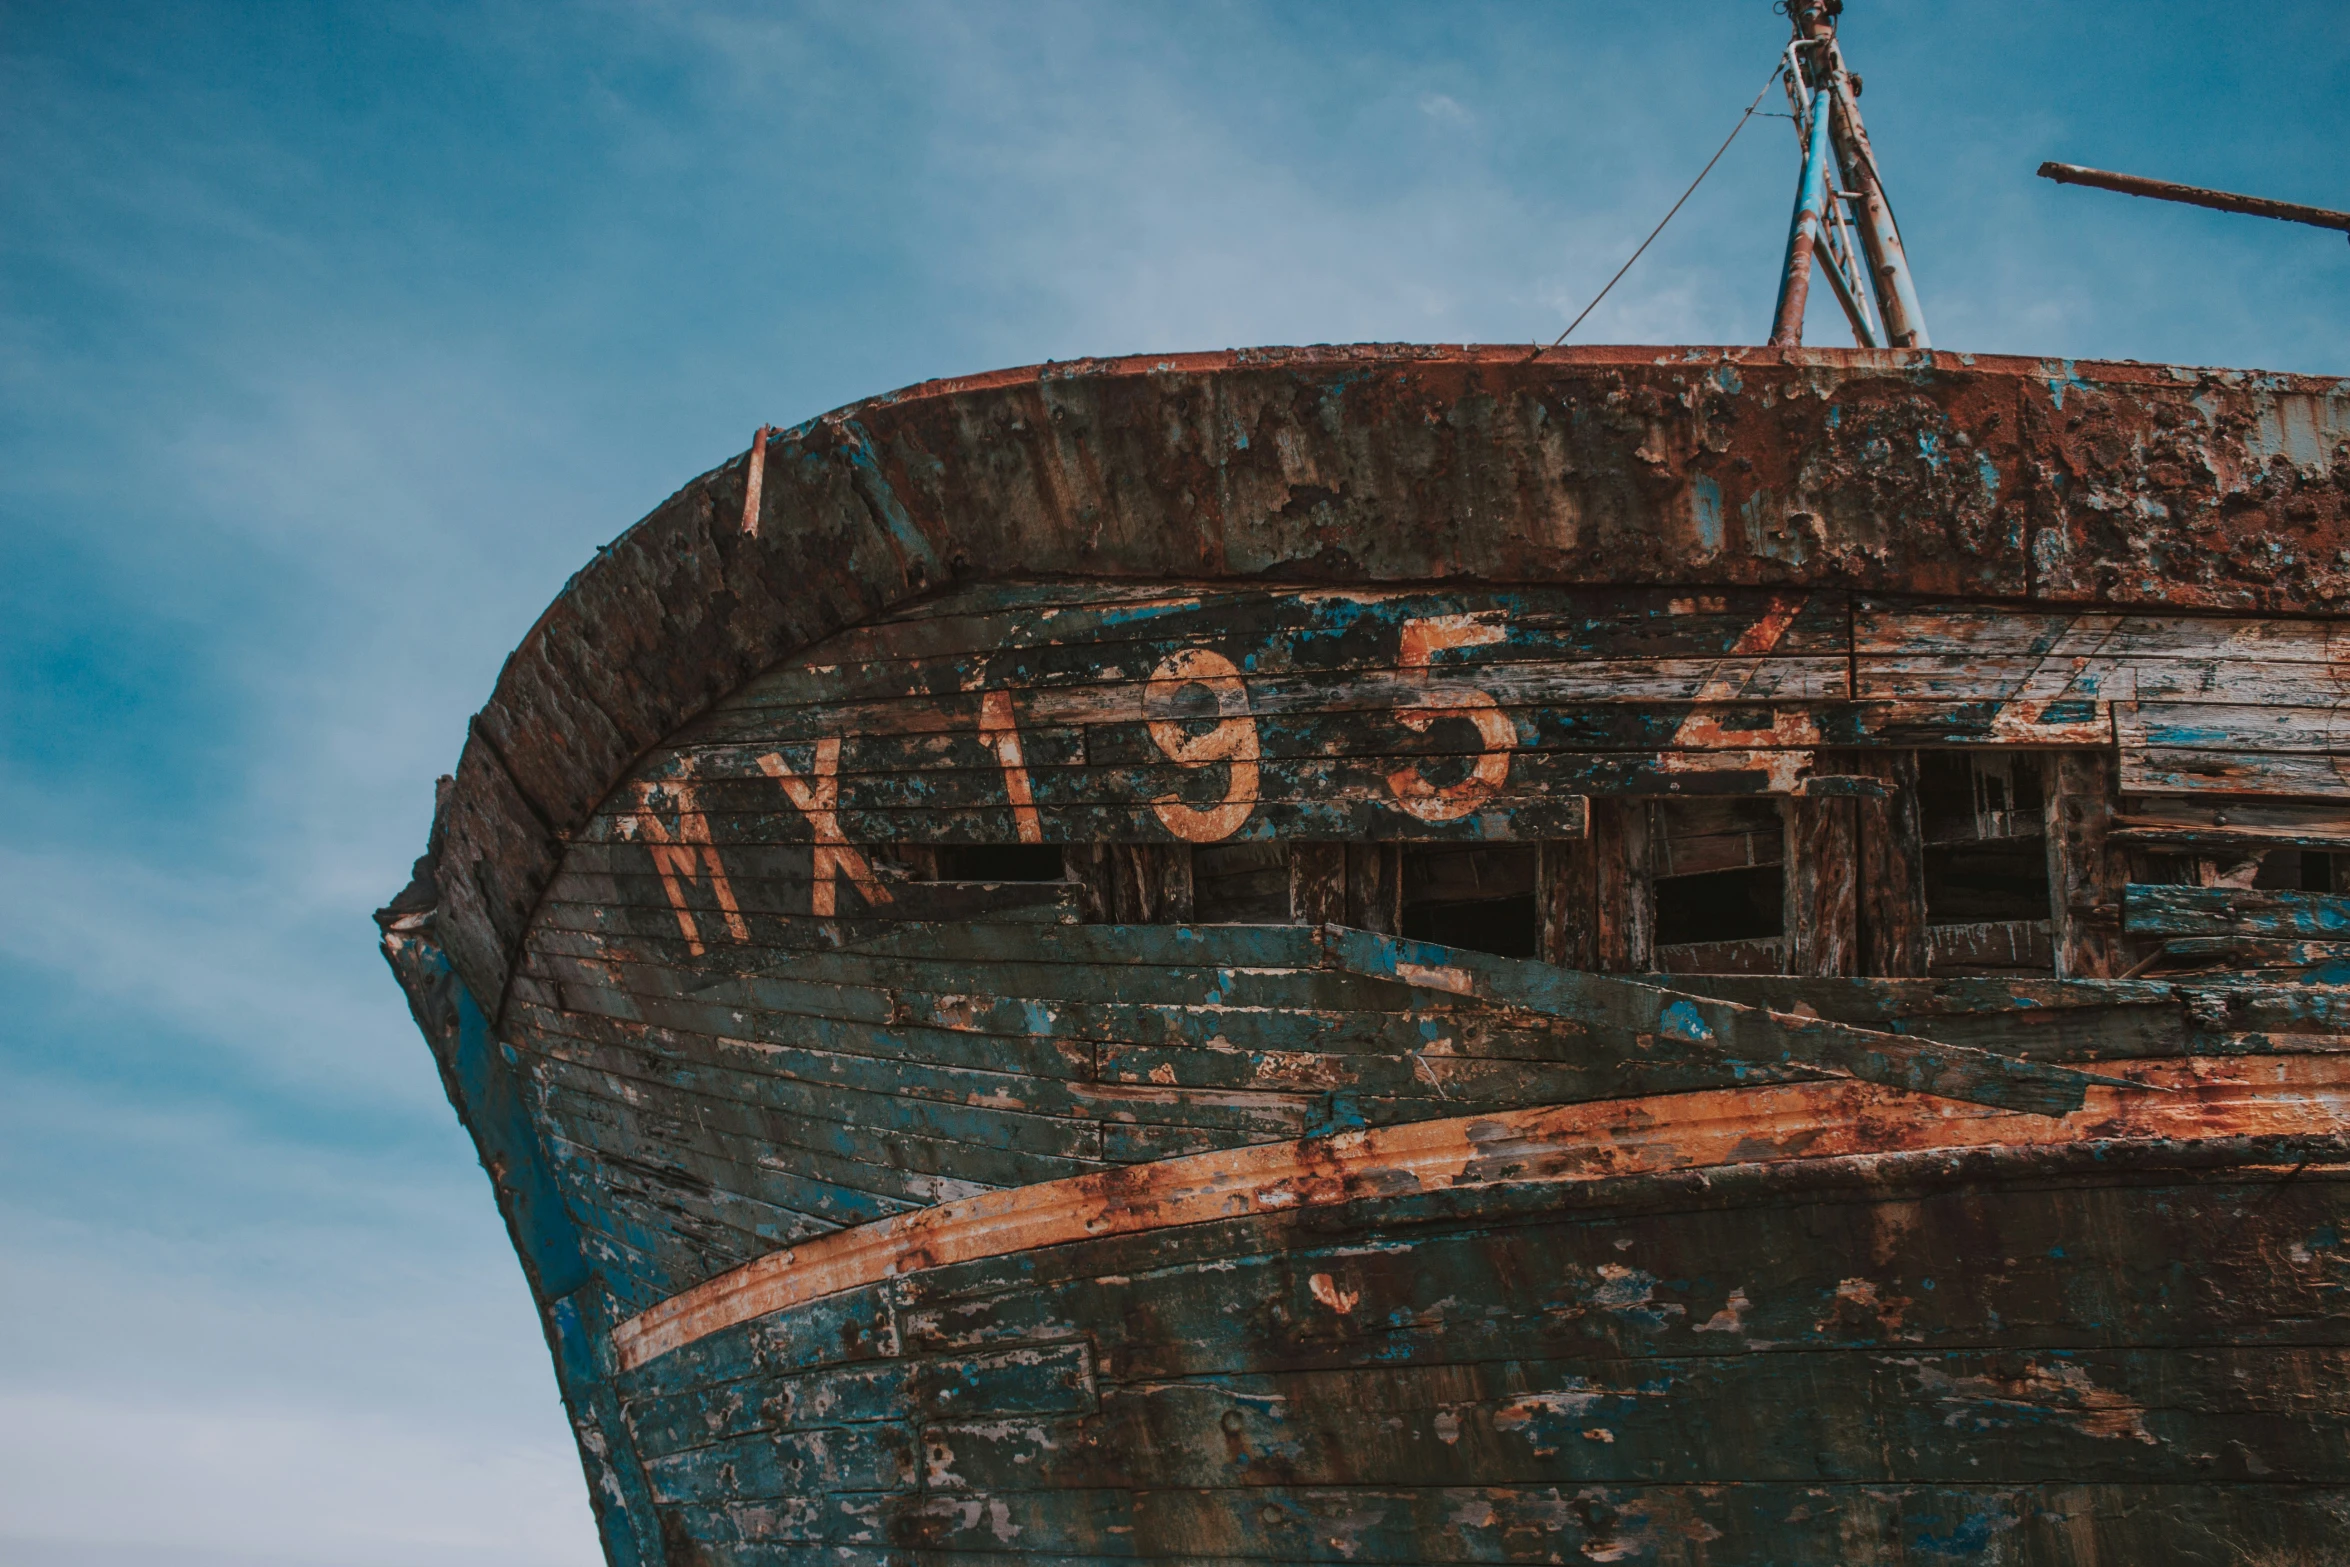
{"x":1233,"y":741}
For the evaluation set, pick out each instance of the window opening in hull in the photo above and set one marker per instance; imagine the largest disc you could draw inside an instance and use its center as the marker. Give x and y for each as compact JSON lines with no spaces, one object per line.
{"x":1986,"y":862}
{"x":999,"y":862}
{"x":1240,"y":883}
{"x":1479,"y":897}
{"x":1720,"y":885}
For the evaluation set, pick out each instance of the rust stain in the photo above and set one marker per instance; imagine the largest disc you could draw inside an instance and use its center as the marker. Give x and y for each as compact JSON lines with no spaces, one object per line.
{"x":2258,"y":1096}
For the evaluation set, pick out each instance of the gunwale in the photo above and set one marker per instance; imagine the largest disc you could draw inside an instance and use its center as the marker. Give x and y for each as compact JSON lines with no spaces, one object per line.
{"x":1393,"y":464}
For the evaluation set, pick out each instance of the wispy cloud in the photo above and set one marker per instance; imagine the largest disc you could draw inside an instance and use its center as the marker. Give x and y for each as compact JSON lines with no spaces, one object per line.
{"x":331,"y":342}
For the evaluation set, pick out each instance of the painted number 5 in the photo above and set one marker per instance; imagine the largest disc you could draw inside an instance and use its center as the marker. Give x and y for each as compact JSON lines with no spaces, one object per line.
{"x":1422,"y":641}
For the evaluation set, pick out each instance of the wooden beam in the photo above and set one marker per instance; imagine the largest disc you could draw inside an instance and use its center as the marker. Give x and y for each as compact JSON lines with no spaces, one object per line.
{"x":1623,"y":901}
{"x":1566,"y":891}
{"x":1317,"y":882}
{"x":1822,"y":886}
{"x":1374,"y":887}
{"x":2234,"y":911}
{"x":1892,"y":862}
{"x":1727,"y":1030}
{"x":2085,"y":870}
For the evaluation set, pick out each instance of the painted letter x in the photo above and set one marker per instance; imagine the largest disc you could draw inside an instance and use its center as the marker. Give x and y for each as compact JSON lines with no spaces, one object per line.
{"x":818,"y":800}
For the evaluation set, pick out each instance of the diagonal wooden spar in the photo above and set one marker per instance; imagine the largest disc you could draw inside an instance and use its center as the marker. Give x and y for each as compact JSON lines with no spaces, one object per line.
{"x":1739,"y":1034}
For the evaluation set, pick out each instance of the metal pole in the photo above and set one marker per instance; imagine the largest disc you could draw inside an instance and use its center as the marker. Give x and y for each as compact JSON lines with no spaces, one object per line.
{"x":1896,"y":291}
{"x":1803,"y":235}
{"x":2197,"y":196}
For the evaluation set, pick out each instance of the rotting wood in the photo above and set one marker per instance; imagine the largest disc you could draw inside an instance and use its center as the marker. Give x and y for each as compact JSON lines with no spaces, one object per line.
{"x":1823,"y":903}
{"x":1623,"y":903}
{"x":2231,"y":911}
{"x":2085,"y":871}
{"x":1374,"y":886}
{"x":1567,"y":899}
{"x":1317,"y":883}
{"x":1892,"y":866}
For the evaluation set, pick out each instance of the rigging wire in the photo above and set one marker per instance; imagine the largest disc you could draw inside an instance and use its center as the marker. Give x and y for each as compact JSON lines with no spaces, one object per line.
{"x":1667,"y":218}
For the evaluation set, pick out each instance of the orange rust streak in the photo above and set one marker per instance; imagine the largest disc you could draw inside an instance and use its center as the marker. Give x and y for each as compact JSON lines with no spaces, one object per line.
{"x":997,"y":730}
{"x":2212,"y":1097}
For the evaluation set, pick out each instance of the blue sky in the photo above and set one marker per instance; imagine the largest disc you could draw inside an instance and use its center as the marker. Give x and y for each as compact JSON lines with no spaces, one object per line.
{"x":334,"y":337}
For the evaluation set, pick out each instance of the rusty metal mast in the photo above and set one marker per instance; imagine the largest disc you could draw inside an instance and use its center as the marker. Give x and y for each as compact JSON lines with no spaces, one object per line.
{"x":1842,"y":219}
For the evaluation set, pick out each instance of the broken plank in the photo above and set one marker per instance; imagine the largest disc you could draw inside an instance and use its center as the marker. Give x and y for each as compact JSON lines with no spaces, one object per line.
{"x":1738,"y":1032}
{"x":2150,"y":910}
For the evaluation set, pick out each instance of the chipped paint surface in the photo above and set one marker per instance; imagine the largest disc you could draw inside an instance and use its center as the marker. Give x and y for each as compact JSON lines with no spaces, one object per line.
{"x":886,"y":1212}
{"x":1394,"y":463}
{"x":2283,"y":1098}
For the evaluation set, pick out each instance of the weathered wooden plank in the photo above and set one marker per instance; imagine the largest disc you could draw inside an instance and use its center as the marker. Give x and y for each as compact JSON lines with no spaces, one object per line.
{"x":1740,"y":1033}
{"x":2282,"y":1097}
{"x":785,"y":1464}
{"x":1278,"y":632}
{"x":1723,"y":834}
{"x":1891,"y":864}
{"x":734,"y":1148}
{"x":1756,"y":955}
{"x":1623,"y":910}
{"x":1057,"y":1131}
{"x":2281,"y":775}
{"x":727,"y":1216}
{"x":1814,"y":1520}
{"x":2233,"y":911}
{"x":1374,"y":886}
{"x":774,"y":1043}
{"x":1532,"y":810}
{"x":2085,"y":872}
{"x":1679,"y":1278}
{"x":1566,"y":901}
{"x":1150,"y":883}
{"x":2255,"y":952}
{"x":788,"y":892}
{"x":1027,"y":1379}
{"x":1071,"y":1003}
{"x":1998,"y":1416}
{"x":1008,"y":1026}
{"x":2189,"y":822}
{"x":1317,"y":883}
{"x":2180,"y":748}
{"x":1990,"y":947}
{"x":1822,"y":896}
{"x":1889,"y":628}
{"x":2223,"y":724}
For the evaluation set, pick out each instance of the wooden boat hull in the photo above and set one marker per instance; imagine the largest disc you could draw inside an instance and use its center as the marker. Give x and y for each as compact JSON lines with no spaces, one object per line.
{"x":2087,"y":1355}
{"x":888,"y":1199}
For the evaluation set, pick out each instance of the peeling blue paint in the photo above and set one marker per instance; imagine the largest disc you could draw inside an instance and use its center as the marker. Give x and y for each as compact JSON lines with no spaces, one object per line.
{"x":1682,"y":1021}
{"x":1705,"y":505}
{"x":2063,"y":377}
